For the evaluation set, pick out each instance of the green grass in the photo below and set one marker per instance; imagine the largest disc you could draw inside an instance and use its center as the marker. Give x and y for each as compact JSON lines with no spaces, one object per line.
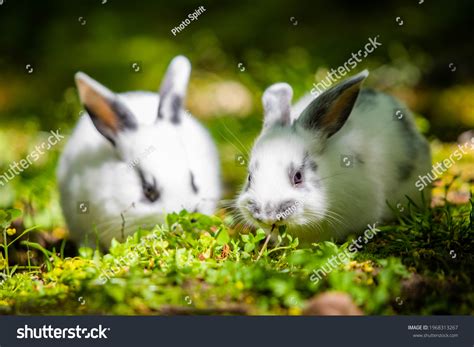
{"x":196,"y":264}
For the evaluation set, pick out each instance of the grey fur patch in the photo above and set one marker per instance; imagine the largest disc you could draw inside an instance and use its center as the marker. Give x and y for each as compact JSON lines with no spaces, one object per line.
{"x":367,"y":99}
{"x":126,"y":118}
{"x":268,"y":209}
{"x":193,"y":184}
{"x":312,"y":165}
{"x":359,"y":158}
{"x":308,"y":162}
{"x":286,"y":207}
{"x":247,"y":186}
{"x":249,"y":181}
{"x":368,"y":92}
{"x":176,"y":104}
{"x":253,"y":207}
{"x":405,"y":170}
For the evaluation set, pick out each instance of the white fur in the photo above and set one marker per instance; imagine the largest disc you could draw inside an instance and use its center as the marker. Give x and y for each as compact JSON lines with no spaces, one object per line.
{"x":92,"y":170}
{"x":334,"y":200}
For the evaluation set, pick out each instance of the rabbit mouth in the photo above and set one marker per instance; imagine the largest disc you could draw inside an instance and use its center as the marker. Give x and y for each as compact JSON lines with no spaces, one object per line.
{"x":271,"y":223}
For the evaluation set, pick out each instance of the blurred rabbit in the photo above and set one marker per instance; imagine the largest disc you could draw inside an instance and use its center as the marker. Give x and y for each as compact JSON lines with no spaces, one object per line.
{"x":133,"y":158}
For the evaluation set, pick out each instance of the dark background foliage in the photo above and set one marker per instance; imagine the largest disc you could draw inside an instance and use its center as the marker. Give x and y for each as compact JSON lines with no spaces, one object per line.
{"x":414,"y":59}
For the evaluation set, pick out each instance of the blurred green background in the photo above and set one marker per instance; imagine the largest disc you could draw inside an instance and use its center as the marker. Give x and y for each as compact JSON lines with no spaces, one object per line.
{"x":237,"y":49}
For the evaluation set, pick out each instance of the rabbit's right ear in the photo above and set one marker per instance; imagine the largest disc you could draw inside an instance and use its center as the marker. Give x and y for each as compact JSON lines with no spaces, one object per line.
{"x":173,"y":89}
{"x":277,"y":105}
{"x":109,"y":115}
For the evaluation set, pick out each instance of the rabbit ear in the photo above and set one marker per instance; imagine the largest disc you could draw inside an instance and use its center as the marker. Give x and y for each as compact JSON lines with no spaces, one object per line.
{"x":277,"y":105}
{"x":173,"y":89}
{"x":108,"y":114}
{"x":329,"y":111}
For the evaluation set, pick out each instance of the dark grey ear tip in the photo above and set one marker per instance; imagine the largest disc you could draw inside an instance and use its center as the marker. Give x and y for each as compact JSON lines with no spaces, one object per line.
{"x":344,"y":85}
{"x":361,"y":76}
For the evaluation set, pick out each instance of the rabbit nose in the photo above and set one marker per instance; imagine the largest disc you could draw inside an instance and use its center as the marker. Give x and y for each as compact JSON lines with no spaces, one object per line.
{"x":279,"y":212}
{"x":263,"y":214}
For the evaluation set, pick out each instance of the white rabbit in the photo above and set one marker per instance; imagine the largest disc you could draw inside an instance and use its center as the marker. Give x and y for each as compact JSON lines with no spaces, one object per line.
{"x":330,"y":168}
{"x":135,"y":157}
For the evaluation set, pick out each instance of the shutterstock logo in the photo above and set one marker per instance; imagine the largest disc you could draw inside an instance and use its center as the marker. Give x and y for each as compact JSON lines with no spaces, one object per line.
{"x":48,"y":332}
{"x":350,"y":64}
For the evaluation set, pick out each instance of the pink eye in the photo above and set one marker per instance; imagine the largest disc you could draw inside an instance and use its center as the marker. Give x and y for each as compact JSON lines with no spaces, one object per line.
{"x":297,"y":178}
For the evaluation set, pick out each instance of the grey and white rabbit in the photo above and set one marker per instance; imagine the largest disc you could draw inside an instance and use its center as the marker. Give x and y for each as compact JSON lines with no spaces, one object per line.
{"x":328,"y":167}
{"x":134,"y":157}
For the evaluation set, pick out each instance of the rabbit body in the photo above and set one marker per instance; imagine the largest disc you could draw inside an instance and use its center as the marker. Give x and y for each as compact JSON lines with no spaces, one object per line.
{"x":325,"y":175}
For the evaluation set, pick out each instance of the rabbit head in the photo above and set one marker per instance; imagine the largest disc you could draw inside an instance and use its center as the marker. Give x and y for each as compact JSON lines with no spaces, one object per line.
{"x":290,"y":161}
{"x":148,"y":136}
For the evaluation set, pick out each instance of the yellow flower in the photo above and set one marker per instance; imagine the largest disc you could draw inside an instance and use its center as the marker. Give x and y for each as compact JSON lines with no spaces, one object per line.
{"x":368,"y":267}
{"x":57,"y":272}
{"x":249,"y":300}
{"x":351,"y":265}
{"x":294,"y":311}
{"x":151,"y":263}
{"x":3,"y":263}
{"x":239,"y":285}
{"x":11,"y":231}
{"x":59,"y":233}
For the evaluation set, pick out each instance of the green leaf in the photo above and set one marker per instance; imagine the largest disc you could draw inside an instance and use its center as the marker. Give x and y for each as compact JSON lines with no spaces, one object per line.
{"x":260,"y":235}
{"x":21,"y":235}
{"x":14,"y":213}
{"x":86,"y":252}
{"x":222,"y":237}
{"x":249,"y":247}
{"x":7,"y":216}
{"x":4,"y":219}
{"x":43,"y":250}
{"x":295,"y":243}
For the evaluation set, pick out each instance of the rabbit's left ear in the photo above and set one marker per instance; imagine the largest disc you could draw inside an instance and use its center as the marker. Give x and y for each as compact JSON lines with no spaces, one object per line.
{"x":329,"y":111}
{"x":173,"y":89}
{"x":109,"y":115}
{"x":277,"y":105}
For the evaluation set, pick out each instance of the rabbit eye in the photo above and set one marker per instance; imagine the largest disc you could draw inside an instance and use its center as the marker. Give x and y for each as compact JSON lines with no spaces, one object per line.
{"x":150,"y":189}
{"x":297,"y":178}
{"x":151,"y":192}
